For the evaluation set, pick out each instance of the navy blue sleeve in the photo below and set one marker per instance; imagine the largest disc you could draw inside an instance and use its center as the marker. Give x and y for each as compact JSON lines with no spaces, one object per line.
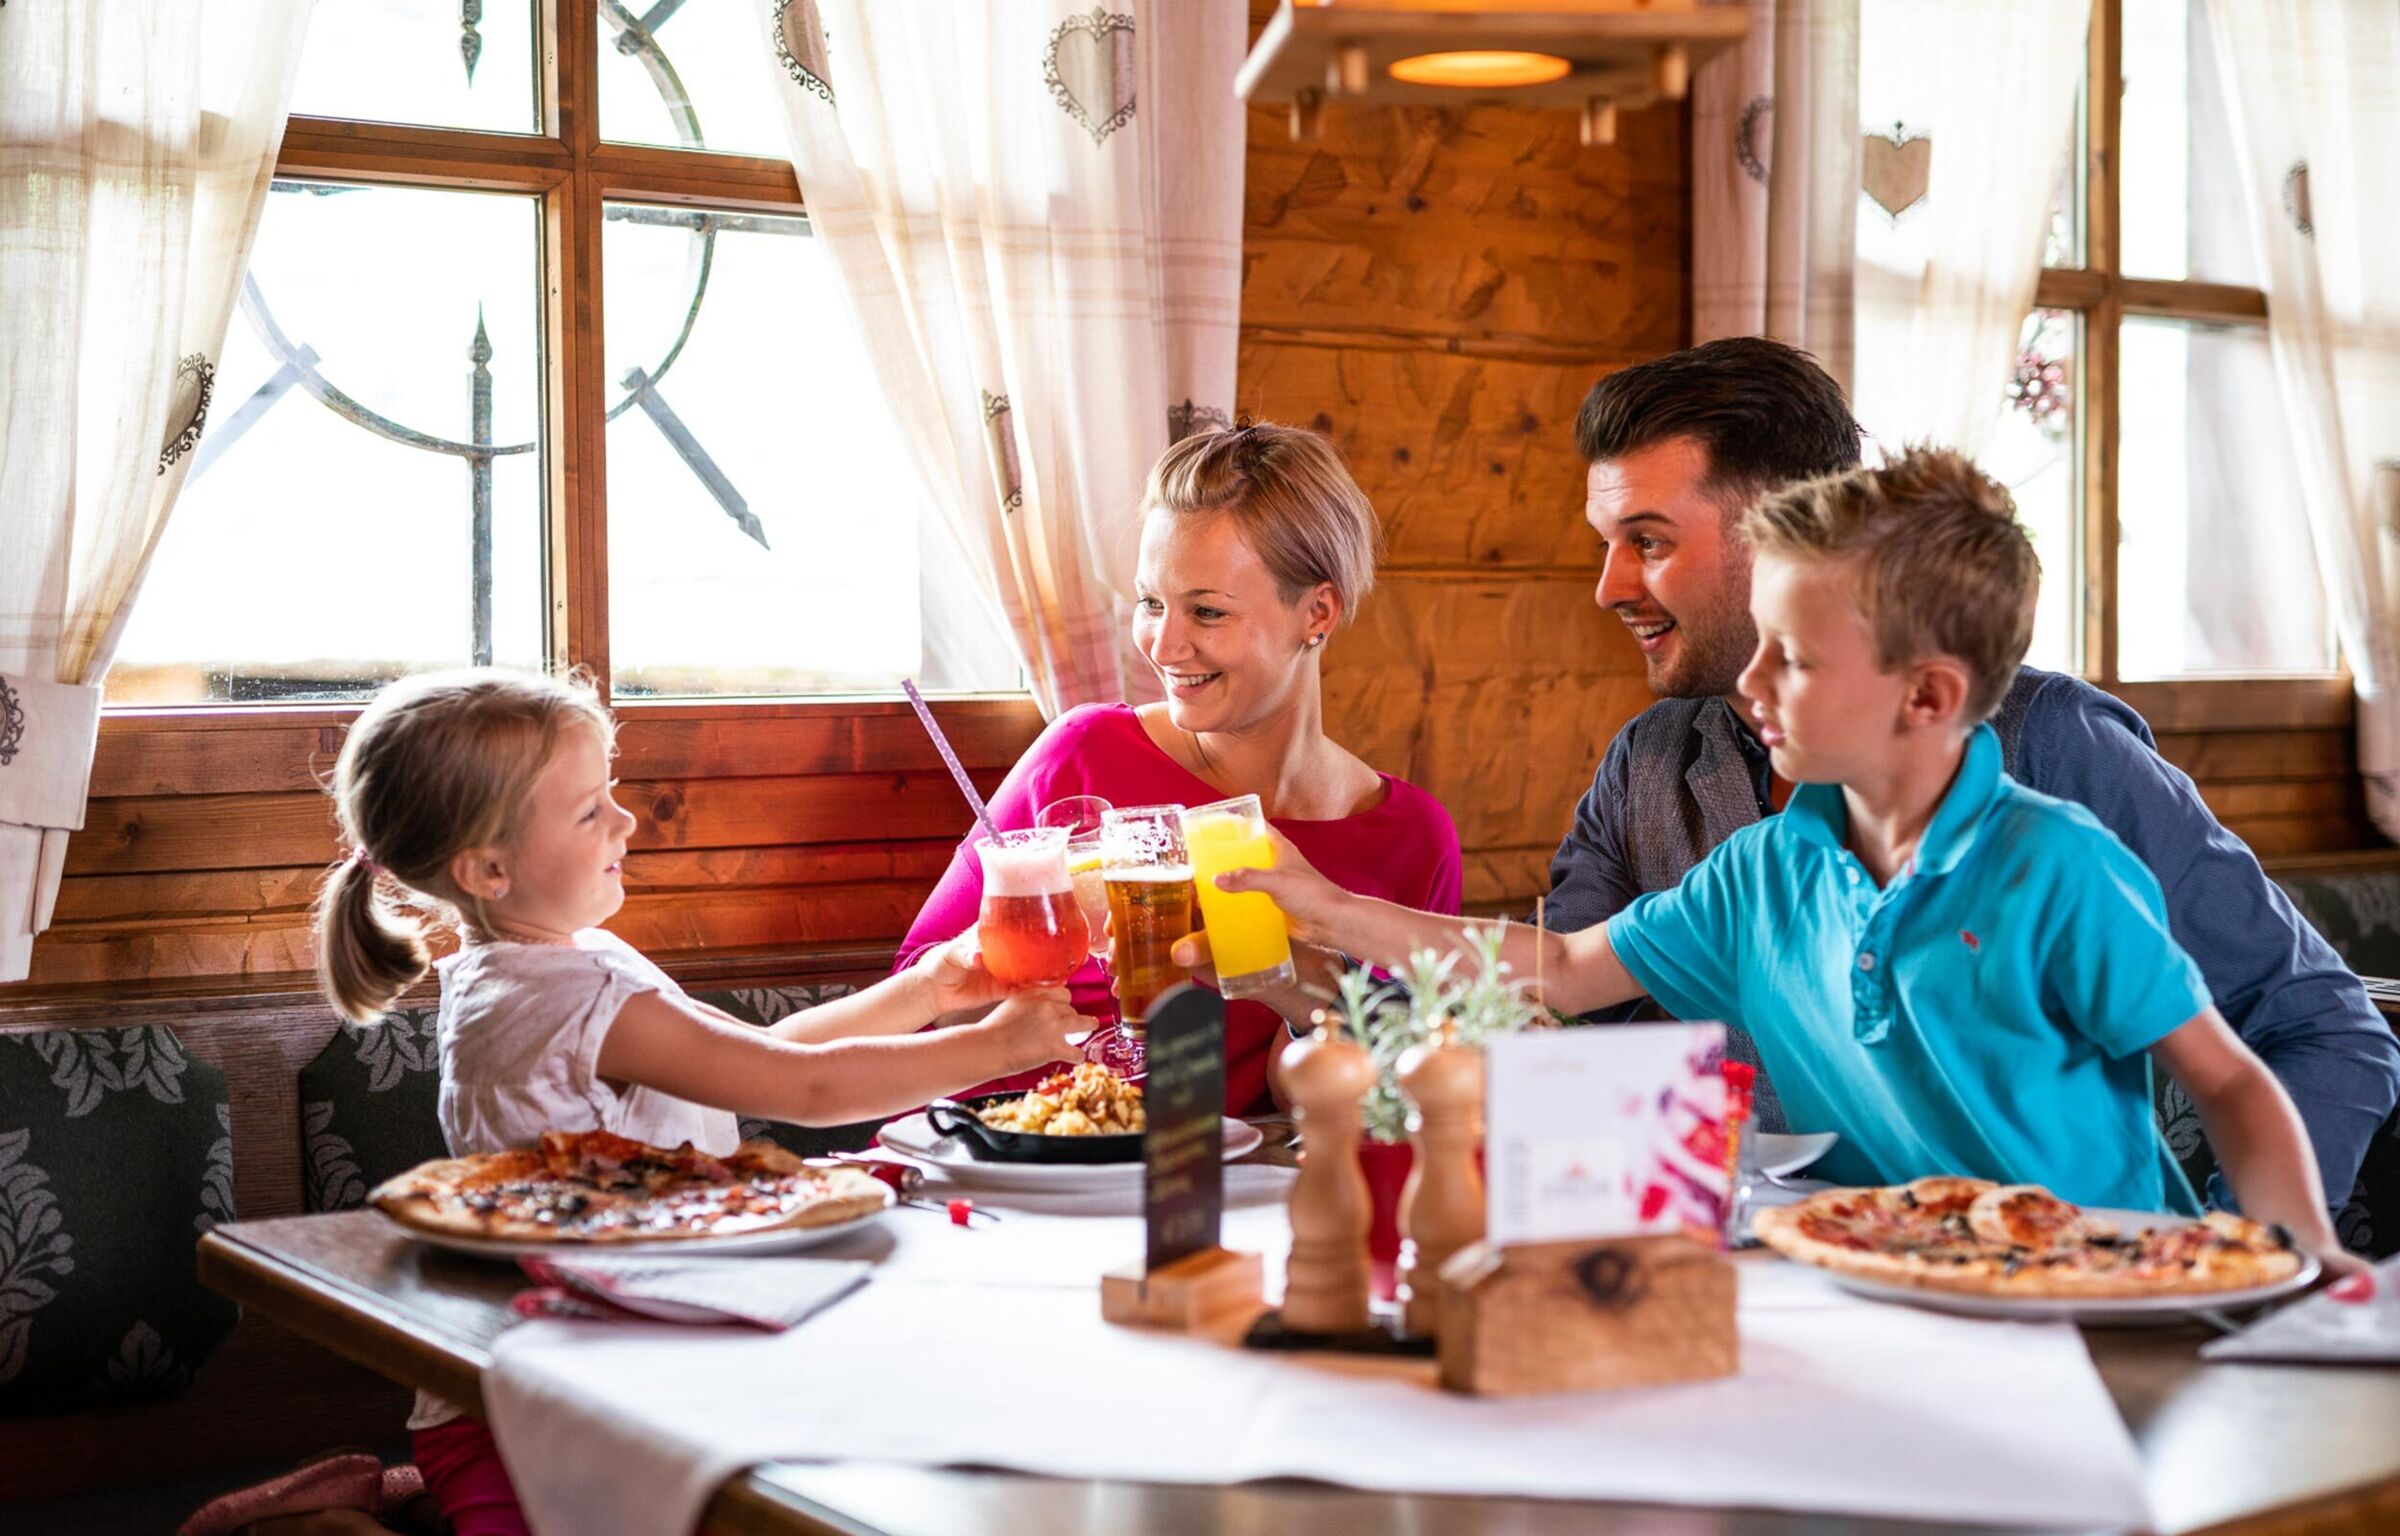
{"x":1589,"y":878}
{"x":2276,"y":980}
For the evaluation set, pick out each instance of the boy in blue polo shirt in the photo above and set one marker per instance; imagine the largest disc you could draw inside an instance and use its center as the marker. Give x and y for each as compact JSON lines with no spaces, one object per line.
{"x":1960,"y":975}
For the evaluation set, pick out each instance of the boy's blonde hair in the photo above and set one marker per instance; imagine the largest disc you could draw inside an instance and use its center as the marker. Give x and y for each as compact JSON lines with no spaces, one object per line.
{"x":1287,"y":491}
{"x":1943,"y":567}
{"x":435,"y":765}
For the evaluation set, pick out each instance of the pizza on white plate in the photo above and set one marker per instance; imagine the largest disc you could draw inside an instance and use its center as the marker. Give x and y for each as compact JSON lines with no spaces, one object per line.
{"x":1975,"y":1237}
{"x":598,"y":1187}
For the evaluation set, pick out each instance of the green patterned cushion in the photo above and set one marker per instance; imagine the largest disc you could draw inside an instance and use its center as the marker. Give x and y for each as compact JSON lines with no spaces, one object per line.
{"x":116,"y":1154}
{"x":763,"y":1006}
{"x":369,"y":1108}
{"x":2358,"y":912}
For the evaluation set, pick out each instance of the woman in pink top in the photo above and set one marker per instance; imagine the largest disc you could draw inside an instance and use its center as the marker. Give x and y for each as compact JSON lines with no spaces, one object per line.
{"x":1256,"y":546}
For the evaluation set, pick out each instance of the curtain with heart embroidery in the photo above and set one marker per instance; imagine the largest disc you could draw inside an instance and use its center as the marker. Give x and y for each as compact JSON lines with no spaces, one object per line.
{"x":141,"y":139}
{"x":1037,"y":214}
{"x":2313,"y":88}
{"x":1970,"y":107}
{"x":1775,"y":181}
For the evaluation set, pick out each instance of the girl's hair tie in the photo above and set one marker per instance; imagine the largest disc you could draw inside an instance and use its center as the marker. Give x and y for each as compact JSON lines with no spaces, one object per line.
{"x":358,"y":856}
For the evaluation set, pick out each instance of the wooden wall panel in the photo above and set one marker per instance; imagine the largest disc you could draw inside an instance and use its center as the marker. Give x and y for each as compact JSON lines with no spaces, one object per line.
{"x":1491,"y":228}
{"x":1469,"y":461}
{"x":1435,"y":291}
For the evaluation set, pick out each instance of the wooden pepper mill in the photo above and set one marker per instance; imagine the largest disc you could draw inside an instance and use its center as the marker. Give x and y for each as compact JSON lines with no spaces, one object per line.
{"x":1441,"y":1206}
{"x":1326,"y":1281}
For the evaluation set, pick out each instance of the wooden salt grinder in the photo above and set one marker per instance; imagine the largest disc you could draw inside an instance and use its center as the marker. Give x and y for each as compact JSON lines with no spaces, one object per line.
{"x":1441,"y":1206}
{"x":1326,"y":1280}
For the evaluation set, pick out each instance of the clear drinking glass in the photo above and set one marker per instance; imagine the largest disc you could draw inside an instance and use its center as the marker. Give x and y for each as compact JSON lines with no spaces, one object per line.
{"x":1031,"y":929}
{"x":1247,"y":933}
{"x":1149,"y":881}
{"x":1080,"y":815}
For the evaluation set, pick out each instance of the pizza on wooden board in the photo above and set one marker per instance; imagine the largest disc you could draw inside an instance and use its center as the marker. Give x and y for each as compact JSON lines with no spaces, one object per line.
{"x":598,"y":1187}
{"x":1979,"y":1238}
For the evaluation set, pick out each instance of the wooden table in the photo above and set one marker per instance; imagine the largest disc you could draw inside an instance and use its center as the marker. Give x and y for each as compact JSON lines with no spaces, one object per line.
{"x":2248,"y":1448}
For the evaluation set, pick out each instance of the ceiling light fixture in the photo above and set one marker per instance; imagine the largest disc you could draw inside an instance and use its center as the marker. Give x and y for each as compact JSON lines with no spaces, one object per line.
{"x":1597,"y":55}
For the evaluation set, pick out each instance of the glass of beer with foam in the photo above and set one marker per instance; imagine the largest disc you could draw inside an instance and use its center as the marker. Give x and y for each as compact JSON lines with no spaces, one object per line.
{"x":1031,"y":928}
{"x":1149,"y":881}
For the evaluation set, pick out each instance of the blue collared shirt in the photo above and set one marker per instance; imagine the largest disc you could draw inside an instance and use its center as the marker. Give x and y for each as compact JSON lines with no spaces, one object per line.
{"x":1985,"y":1014}
{"x":2275,"y":979}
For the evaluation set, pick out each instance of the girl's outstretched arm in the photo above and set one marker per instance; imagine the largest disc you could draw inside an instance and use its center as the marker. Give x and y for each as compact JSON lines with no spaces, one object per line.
{"x":689,"y":1050}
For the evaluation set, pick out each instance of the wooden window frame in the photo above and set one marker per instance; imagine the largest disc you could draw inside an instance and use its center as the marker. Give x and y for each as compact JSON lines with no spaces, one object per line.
{"x":2104,"y":297}
{"x":572,"y":173}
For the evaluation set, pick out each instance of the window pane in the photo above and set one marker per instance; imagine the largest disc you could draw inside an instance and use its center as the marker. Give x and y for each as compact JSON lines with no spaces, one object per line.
{"x":2215,"y":570}
{"x":689,"y":74}
{"x":439,"y":62}
{"x":2034,"y":453}
{"x":2182,"y":208}
{"x":326,"y":537}
{"x":2062,"y":235}
{"x":764,"y":535}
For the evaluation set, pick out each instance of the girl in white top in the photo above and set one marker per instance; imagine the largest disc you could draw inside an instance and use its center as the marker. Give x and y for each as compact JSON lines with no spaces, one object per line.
{"x":485,"y":796}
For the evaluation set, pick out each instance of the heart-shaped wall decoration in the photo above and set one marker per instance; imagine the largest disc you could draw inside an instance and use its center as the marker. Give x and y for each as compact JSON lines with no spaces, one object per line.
{"x":800,"y":47}
{"x":187,"y":407}
{"x":1896,"y":169}
{"x":1089,"y":69}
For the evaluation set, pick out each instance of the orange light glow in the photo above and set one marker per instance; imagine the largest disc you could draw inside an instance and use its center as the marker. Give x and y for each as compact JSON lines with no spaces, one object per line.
{"x":1481,"y":69}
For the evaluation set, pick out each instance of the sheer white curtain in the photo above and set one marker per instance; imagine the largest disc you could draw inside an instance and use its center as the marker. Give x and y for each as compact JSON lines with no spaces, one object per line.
{"x":136,"y":144}
{"x":2314,"y":93}
{"x":1775,"y":181}
{"x":1036,"y":208}
{"x":1970,"y":108}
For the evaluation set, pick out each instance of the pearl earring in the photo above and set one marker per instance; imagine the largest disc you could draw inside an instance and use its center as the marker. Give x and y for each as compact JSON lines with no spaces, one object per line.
{"x":1315,"y":640}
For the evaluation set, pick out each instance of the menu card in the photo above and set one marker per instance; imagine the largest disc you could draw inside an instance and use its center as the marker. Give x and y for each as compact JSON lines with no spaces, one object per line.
{"x":1183,"y":1149}
{"x":1611,"y":1131}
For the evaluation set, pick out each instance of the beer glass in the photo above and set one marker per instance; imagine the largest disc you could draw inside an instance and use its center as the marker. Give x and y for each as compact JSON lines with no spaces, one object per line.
{"x":1080,"y":815}
{"x":1246,"y":932}
{"x":1032,"y":931}
{"x":1149,"y":903}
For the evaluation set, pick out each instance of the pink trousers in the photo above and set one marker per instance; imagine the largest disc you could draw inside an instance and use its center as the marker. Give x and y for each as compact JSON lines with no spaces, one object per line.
{"x":470,"y":1486}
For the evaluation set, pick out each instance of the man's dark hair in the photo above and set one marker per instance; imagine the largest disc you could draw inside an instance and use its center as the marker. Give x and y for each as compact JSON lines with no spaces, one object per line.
{"x":1766,"y":413}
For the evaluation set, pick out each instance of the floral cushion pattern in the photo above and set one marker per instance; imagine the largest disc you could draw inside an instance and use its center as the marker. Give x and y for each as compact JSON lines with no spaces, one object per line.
{"x":369,"y":1108}
{"x":116,"y":1154}
{"x":763,"y":1006}
{"x":2358,"y":912}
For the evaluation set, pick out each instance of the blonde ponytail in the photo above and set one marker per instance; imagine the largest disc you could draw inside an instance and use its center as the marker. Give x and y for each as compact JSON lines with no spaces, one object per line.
{"x":435,"y":765}
{"x":369,"y":950}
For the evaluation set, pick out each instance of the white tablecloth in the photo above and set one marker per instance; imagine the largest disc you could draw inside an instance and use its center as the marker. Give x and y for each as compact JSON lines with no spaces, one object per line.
{"x":987,"y":1348}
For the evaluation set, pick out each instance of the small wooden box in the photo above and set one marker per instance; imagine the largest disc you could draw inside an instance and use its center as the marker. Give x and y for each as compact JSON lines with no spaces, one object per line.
{"x":1581,"y":1316}
{"x":1193,"y":1294}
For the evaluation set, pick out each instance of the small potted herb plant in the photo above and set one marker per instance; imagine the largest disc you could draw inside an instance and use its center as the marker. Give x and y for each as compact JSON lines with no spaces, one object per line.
{"x":1390,"y":1016}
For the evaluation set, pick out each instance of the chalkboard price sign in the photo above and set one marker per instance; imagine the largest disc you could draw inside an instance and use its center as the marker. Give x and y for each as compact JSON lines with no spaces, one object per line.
{"x":1183,"y":1179}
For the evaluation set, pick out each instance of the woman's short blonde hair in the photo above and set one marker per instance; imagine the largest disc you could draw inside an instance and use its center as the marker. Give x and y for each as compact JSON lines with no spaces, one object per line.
{"x":1940,"y":563}
{"x":1286,"y":490}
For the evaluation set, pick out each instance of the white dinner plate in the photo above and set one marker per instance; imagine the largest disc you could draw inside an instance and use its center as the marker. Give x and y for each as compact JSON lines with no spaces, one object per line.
{"x":2123,"y":1311}
{"x":780,"y":1240}
{"x":1784,"y":1156}
{"x":914,"y":1136}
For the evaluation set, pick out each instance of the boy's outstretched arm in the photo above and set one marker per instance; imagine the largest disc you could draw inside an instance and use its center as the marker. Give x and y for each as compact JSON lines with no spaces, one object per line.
{"x":1580,"y":970}
{"x":2257,"y":1134}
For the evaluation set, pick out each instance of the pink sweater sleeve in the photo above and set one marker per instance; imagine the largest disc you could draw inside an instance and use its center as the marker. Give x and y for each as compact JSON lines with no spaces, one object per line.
{"x":1030,"y":785}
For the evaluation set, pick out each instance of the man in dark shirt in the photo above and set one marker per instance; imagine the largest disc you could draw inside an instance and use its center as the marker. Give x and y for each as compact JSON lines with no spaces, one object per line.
{"x":1677,"y":448}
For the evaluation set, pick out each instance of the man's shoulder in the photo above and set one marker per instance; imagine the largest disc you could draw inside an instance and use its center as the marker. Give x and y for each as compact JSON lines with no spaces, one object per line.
{"x":2044,"y":713}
